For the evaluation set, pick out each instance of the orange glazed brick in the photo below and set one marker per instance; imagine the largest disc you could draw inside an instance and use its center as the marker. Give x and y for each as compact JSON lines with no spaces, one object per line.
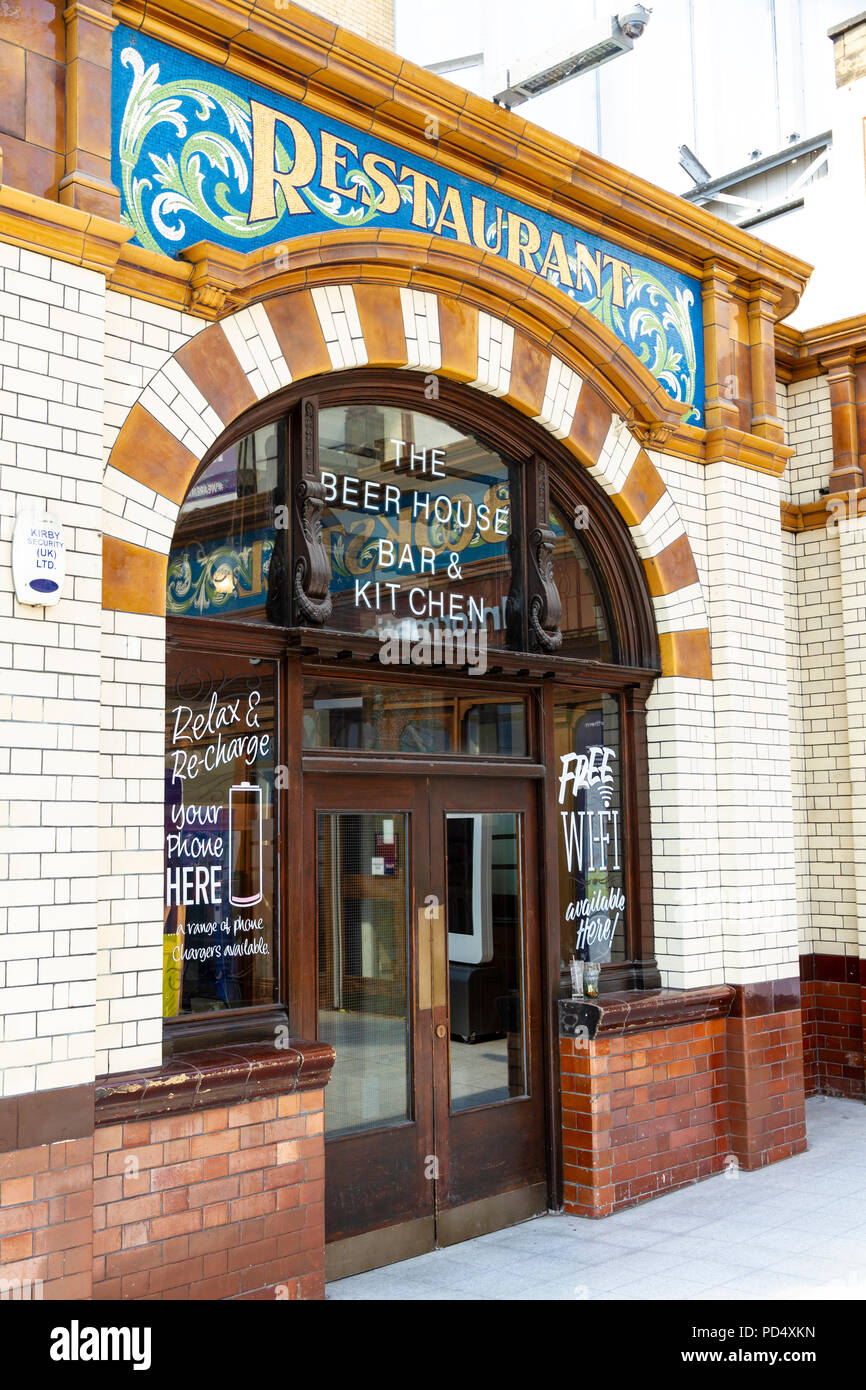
{"x":244,"y":1159}
{"x":16,"y":1190}
{"x":213,"y":1120}
{"x":222,"y":1142}
{"x":222,"y":1190}
{"x":175,"y":1199}
{"x":250,"y":1113}
{"x":144,"y":1155}
{"x":252,"y":1136}
{"x":176,"y":1127}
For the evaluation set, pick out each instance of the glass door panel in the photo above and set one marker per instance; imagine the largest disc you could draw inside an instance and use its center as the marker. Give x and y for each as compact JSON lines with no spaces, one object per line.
{"x":363,"y":916}
{"x":485,"y":957}
{"x":487,"y":1047}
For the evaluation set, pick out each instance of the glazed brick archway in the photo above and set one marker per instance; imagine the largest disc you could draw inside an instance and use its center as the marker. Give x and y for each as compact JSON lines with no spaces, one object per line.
{"x":470,"y":334}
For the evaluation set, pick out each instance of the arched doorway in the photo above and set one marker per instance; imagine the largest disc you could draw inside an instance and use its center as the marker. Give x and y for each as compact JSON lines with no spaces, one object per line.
{"x":440,"y":622}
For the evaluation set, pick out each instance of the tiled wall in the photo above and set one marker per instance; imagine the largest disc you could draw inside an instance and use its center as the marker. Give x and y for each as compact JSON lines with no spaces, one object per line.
{"x":32,"y":94}
{"x":51,"y":403}
{"x":824,"y":618}
{"x":372,"y":19}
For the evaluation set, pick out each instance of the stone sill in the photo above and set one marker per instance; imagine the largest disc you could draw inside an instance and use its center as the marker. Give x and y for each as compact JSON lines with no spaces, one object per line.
{"x":640,"y":1010}
{"x":215,"y":1076}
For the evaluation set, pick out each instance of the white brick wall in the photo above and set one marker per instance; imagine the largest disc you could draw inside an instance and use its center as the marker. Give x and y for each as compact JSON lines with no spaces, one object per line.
{"x":51,"y":403}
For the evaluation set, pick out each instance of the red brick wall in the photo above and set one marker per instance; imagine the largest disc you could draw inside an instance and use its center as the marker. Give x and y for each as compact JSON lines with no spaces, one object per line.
{"x":833,"y":1007}
{"x":221,"y":1203}
{"x":765,"y":1086}
{"x":46,"y":1211}
{"x":643,"y":1113}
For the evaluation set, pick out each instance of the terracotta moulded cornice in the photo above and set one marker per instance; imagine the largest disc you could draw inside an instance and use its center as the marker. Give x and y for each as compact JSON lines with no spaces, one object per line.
{"x":341,"y":74}
{"x":815,"y":516}
{"x":53,"y":229}
{"x":803,"y":353}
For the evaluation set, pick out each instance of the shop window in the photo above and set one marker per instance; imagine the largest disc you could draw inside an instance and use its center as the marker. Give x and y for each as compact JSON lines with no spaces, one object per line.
{"x":592,"y":853}
{"x":368,"y":717}
{"x":219,"y":942}
{"x":225,"y":556}
{"x":416,"y":525}
{"x":587,"y":632}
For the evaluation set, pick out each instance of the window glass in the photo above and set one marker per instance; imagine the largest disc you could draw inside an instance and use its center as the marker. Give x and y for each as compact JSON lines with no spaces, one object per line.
{"x":416,"y":524}
{"x":590,"y":829}
{"x":364,"y":898}
{"x":585,"y":631}
{"x":409,"y":719}
{"x":485,"y":958}
{"x":219,"y":947}
{"x":225,"y":558}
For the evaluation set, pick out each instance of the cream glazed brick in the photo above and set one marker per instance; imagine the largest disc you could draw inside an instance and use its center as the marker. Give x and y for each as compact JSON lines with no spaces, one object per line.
{"x":822,"y":773}
{"x":421,"y":327}
{"x":851,"y":534}
{"x":684,"y":827}
{"x":659,"y":528}
{"x":338,"y":317}
{"x":685,"y":481}
{"x":168,"y":398}
{"x":130,"y":920}
{"x":140,"y":338}
{"x":495,"y":352}
{"x":617,"y":457}
{"x":561,"y":393}
{"x":681,"y":611}
{"x":135,"y":513}
{"x":51,"y":409}
{"x":255,"y":345}
{"x":753,"y":764}
{"x":809,"y":432}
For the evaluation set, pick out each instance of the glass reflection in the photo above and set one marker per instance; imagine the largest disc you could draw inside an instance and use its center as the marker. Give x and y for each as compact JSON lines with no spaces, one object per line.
{"x":487,"y":1053}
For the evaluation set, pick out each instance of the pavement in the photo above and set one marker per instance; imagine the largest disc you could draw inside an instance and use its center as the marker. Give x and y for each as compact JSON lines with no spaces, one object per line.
{"x":794,"y":1230}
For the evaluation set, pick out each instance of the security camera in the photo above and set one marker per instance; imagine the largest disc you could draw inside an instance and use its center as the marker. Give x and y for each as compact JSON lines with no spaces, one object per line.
{"x":633,"y":22}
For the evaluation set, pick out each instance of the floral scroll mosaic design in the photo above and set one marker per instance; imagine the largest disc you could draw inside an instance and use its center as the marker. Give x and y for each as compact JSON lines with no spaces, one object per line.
{"x":183,"y":158}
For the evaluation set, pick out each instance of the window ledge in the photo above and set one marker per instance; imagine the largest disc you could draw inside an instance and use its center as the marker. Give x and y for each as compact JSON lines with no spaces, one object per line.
{"x":638,"y":1010}
{"x":215,"y":1076}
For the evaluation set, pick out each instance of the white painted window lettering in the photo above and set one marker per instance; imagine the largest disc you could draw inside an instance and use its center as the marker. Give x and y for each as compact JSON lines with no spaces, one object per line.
{"x":218,"y":842}
{"x":416,"y":525}
{"x":590,"y":845}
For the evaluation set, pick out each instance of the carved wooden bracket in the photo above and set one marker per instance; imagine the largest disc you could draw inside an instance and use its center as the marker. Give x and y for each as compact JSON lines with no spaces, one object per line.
{"x":544,"y":609}
{"x":312,"y":572}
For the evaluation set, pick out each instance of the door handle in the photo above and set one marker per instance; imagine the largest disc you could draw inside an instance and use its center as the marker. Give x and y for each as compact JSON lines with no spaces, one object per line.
{"x":439,"y":951}
{"x":425,"y":966}
{"x":432,"y":959}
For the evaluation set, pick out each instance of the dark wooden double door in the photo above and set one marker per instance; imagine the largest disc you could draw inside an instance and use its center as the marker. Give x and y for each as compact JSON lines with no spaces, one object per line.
{"x":429,"y":987}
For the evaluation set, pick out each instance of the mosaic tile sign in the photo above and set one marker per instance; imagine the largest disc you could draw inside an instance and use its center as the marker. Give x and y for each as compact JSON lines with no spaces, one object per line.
{"x":202,"y":154}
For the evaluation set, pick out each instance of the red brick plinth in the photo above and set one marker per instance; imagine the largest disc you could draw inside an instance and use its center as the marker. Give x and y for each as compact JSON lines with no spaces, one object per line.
{"x":221,"y":1203}
{"x":833,"y":1001}
{"x":663,"y":1088}
{"x":202,"y":1179}
{"x":765,"y":1073}
{"x":644,"y":1108}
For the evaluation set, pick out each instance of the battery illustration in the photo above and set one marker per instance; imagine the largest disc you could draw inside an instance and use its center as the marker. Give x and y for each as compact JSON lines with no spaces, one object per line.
{"x":245,"y":838}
